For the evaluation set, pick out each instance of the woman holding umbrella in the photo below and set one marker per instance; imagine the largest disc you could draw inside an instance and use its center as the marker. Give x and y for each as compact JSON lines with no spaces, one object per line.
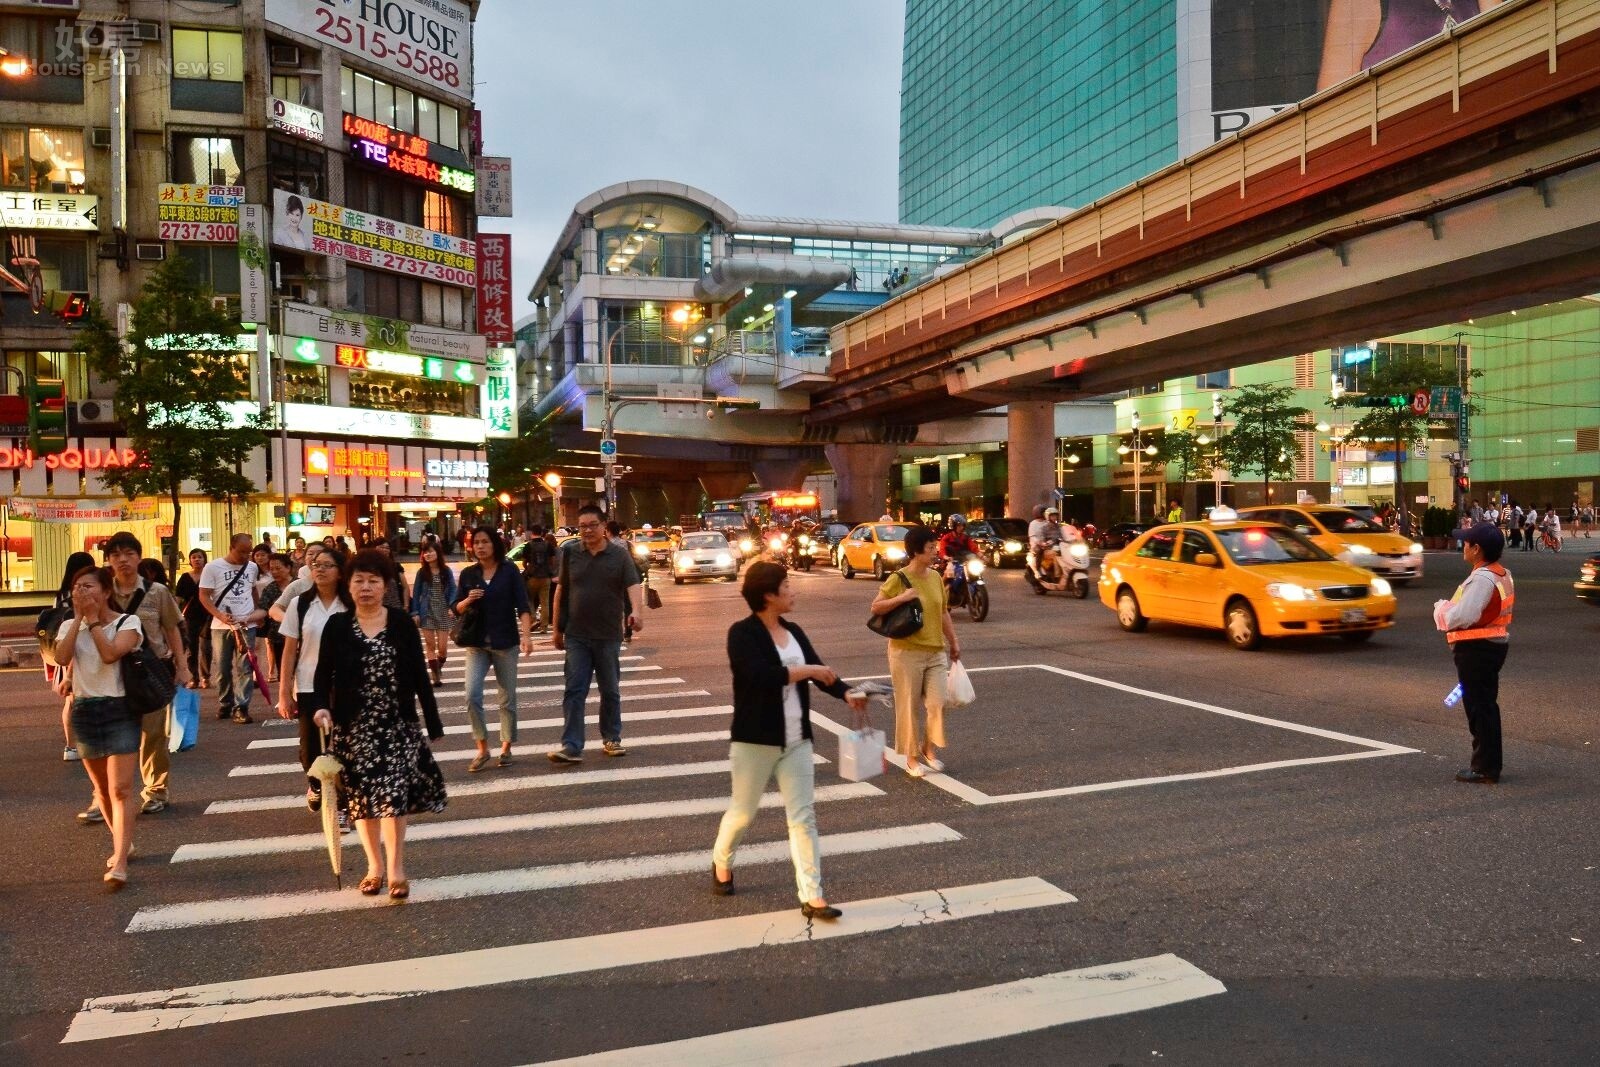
{"x":304,"y":618}
{"x":371,"y":674}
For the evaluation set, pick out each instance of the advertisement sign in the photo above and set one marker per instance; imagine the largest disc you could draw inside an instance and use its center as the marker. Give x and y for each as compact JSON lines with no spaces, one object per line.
{"x":406,"y":153}
{"x":1240,"y":61}
{"x":49,"y":509}
{"x":50,"y":211}
{"x":388,"y":425}
{"x":372,"y":241}
{"x":373,"y":331}
{"x":70,"y":459}
{"x":296,"y":120}
{"x":205,"y":213}
{"x":456,"y":474}
{"x":325,"y":461}
{"x":494,"y":186}
{"x":253,"y":295}
{"x":500,"y":394}
{"x":429,"y":41}
{"x":355,"y":357}
{"x":494,"y":288}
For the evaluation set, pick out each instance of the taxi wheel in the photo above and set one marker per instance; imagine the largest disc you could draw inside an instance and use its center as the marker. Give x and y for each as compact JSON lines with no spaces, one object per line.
{"x":877,"y":568}
{"x":845,"y":569}
{"x":1129,"y":617}
{"x":1243,"y":630}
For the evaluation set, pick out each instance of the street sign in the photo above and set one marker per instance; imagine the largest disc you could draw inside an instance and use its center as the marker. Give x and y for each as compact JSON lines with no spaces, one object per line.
{"x":608,"y":450}
{"x":1420,"y":400}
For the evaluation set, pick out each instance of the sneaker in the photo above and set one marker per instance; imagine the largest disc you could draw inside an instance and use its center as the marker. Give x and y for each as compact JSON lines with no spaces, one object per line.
{"x":223,"y":714}
{"x":565,"y":755}
{"x":242,"y":717}
{"x":614,"y":748}
{"x":933,"y":763}
{"x":90,"y":815}
{"x":153,"y":806}
{"x":70,"y":755}
{"x":313,"y":801}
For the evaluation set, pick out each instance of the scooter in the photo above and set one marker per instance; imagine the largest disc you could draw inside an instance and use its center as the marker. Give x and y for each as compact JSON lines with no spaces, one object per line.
{"x":800,"y":552}
{"x":966,"y":588}
{"x":1066,"y":568}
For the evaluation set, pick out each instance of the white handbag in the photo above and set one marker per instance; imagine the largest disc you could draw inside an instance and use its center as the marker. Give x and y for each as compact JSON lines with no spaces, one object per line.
{"x":861,"y":754}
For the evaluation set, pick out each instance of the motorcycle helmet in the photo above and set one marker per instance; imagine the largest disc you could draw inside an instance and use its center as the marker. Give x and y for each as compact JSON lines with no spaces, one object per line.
{"x":958,"y":519}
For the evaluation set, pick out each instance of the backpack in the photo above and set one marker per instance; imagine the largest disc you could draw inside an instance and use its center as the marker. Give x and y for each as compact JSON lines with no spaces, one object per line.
{"x":537,"y":558}
{"x":49,"y":624}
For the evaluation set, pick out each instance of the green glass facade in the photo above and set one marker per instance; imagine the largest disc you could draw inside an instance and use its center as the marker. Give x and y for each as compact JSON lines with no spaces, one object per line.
{"x":1012,"y":104}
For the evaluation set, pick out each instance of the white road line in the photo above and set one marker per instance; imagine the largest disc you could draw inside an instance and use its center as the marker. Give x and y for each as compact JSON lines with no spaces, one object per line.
{"x":535,"y":724}
{"x":523,"y":675}
{"x":554,"y":778}
{"x":252,"y":998}
{"x":517,"y":880}
{"x":511,"y":824}
{"x":464,"y":754}
{"x":453,"y":675}
{"x":626,"y":683}
{"x":923,"y":1024}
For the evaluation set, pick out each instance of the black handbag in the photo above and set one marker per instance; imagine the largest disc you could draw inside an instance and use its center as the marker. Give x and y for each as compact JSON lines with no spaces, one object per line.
{"x":146,"y":683}
{"x":903,"y":621}
{"x":468,"y":632}
{"x":47,"y":626}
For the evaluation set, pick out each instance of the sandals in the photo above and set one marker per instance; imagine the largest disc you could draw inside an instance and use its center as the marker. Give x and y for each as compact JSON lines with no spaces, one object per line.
{"x":400,"y":890}
{"x":371,"y":885}
{"x":504,"y":760}
{"x":479,"y":762}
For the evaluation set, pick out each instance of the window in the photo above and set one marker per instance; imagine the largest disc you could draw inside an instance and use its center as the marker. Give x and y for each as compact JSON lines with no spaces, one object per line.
{"x":208,"y":70}
{"x":1217,"y":379}
{"x":51,"y":48}
{"x":400,"y":108}
{"x":41,"y":159}
{"x":395,"y":392}
{"x":1193,"y":544}
{"x":1159,"y":545}
{"x":380,"y":193}
{"x":207,"y":160}
{"x":216,"y":266}
{"x":297,"y":90}
{"x":63,"y":264}
{"x":296,"y":167}
{"x":444,"y":213}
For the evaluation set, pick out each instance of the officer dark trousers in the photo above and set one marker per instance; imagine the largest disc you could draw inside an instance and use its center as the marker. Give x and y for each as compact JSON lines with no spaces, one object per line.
{"x":1478,"y":666}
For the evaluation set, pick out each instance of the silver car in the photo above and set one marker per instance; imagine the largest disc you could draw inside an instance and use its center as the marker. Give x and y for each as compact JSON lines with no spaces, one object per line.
{"x":705,"y":554}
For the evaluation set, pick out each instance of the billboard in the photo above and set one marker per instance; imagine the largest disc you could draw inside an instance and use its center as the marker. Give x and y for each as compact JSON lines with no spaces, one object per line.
{"x":1240,"y":61}
{"x":429,"y":41}
{"x":494,"y":288}
{"x":372,"y":241}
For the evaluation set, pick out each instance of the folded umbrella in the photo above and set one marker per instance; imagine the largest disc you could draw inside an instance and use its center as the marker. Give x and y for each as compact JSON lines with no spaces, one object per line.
{"x":328,"y":771}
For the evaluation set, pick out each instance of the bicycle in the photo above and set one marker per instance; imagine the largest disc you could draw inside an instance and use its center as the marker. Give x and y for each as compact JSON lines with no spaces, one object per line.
{"x":1547,"y":540}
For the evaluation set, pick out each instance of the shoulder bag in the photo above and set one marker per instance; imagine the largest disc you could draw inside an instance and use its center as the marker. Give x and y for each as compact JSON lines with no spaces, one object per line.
{"x":146,"y":683}
{"x":469,"y":630}
{"x":903,"y":621}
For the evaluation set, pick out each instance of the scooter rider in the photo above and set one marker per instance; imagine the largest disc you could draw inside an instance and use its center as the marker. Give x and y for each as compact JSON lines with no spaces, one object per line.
{"x":956,"y":546}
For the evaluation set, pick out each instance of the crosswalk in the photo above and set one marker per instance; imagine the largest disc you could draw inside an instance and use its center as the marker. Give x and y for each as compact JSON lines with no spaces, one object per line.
{"x":253,"y":868}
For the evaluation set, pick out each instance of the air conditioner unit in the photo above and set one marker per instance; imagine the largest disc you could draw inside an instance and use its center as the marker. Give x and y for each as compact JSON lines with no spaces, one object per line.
{"x":94,"y":413}
{"x":283,"y":55}
{"x":146,"y":31}
{"x":100,"y":137}
{"x":150,"y":251}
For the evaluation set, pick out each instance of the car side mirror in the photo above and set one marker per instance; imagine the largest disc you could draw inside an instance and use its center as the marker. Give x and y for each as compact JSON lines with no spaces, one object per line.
{"x":1206,"y":559}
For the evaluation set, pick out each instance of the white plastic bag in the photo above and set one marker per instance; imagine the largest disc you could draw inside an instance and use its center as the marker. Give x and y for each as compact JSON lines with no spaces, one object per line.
{"x":861,"y":754}
{"x":958,"y":687}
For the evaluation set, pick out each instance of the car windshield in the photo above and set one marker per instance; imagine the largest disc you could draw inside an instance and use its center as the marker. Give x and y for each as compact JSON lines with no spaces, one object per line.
{"x":835,"y":530}
{"x":893,"y":533}
{"x":705,"y":540}
{"x":1252,"y":545}
{"x":1348,"y":522}
{"x":1014,"y":529}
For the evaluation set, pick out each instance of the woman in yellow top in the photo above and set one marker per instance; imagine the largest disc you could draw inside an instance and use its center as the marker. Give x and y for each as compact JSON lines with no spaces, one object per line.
{"x":917,"y":664}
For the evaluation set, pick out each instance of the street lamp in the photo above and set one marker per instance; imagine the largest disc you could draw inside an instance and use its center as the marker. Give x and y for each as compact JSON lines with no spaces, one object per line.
{"x":552,"y":482}
{"x":1138,"y":462}
{"x":1216,"y":452}
{"x":12,"y":65}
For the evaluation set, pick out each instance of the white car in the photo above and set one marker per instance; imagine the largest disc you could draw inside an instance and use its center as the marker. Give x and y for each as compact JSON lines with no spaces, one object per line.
{"x":706,"y":554}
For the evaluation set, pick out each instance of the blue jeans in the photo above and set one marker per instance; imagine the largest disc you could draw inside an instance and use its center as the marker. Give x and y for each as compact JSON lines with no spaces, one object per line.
{"x":602,"y":661}
{"x":504,"y":661}
{"x":235,"y":681}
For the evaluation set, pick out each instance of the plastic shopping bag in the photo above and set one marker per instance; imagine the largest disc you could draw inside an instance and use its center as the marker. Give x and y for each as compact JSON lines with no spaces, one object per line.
{"x":184,"y":729}
{"x":958,"y":687}
{"x":861,"y":754}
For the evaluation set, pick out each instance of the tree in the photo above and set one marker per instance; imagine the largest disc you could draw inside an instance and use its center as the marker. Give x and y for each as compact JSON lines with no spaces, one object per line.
{"x":1262,"y":437}
{"x":517,"y":464}
{"x":1183,"y":448}
{"x":1399,"y":426}
{"x":175,"y":372}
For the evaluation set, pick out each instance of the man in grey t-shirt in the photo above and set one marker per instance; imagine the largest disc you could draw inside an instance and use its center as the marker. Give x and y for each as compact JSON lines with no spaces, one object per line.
{"x":598,"y":585}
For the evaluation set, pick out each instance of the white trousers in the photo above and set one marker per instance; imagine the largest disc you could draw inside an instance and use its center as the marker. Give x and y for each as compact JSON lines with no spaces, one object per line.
{"x":753,"y":767}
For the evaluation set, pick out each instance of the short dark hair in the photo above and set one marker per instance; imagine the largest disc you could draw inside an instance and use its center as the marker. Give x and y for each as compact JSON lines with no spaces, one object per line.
{"x":593,"y":509}
{"x":235,"y":540}
{"x":917,"y":539}
{"x":371,"y":561}
{"x":123,"y":539}
{"x":153,"y":571}
{"x":613,"y":527}
{"x":494,"y":539}
{"x":1492,"y":552}
{"x":101,"y":575}
{"x":762,"y":580}
{"x":281,"y":558}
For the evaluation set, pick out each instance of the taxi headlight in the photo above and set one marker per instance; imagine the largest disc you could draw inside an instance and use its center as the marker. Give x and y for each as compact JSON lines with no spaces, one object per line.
{"x":1013,"y":546}
{"x":1078,"y":550}
{"x":895,"y":553}
{"x":1358,"y":550}
{"x":1289,"y":591}
{"x":1381,"y":587}
{"x":724,"y":559}
{"x":641,"y":550}
{"x":745,"y":544}
{"x":1416,"y":548}
{"x":974,"y":567}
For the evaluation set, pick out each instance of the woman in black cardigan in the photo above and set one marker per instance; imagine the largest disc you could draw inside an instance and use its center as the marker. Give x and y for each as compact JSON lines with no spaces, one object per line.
{"x":371,"y":673}
{"x":772,"y":665}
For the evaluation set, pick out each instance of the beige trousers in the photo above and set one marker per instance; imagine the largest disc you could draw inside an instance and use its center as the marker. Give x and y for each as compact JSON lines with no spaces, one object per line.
{"x":918,"y":675}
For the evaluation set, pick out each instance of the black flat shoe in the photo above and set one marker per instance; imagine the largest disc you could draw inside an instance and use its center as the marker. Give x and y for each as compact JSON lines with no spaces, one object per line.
{"x":718,"y":886}
{"x":827,"y":911}
{"x":1477,"y":777}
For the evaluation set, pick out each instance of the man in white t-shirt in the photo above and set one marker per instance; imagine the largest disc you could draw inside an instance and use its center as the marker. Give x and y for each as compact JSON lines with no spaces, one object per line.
{"x":228,"y":593}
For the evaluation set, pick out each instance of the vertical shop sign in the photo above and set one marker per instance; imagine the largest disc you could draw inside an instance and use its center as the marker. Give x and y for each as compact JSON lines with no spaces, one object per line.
{"x":500,"y":394}
{"x":252,"y":263}
{"x":494,"y":187}
{"x":494,"y":288}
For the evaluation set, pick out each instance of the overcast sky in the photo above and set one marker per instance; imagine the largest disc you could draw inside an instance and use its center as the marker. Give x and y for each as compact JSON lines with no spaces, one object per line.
{"x":776,"y":108}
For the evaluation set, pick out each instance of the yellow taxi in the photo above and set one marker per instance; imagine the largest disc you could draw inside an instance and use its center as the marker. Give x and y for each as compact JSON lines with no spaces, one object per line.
{"x":657,"y":543}
{"x":879,"y":547}
{"x":1252,"y":580}
{"x":1347,"y":535}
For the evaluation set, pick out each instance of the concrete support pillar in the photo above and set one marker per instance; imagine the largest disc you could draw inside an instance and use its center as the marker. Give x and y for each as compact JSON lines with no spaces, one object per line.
{"x":725,"y":486}
{"x":683,"y":498}
{"x":1030,"y":455}
{"x":861,"y":473}
{"x":774,"y":474}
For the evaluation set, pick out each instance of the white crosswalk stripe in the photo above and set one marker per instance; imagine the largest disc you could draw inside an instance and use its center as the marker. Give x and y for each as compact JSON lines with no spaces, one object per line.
{"x":464,"y":754}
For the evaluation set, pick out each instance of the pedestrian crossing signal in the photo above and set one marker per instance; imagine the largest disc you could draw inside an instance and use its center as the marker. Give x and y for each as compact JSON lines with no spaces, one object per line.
{"x":47,"y":416}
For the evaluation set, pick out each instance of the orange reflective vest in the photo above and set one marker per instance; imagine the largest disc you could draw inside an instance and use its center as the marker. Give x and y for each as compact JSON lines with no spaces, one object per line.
{"x":1496,"y":618}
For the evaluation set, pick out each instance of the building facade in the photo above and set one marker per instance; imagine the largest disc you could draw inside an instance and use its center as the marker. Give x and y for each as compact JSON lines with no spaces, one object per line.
{"x":318,"y":175}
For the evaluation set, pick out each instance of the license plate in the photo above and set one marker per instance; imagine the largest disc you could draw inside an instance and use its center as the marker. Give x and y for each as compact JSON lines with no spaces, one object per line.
{"x":1353,"y":615}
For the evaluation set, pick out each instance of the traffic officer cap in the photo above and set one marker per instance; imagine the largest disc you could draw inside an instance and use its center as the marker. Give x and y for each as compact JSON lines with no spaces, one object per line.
{"x":1485,"y":534}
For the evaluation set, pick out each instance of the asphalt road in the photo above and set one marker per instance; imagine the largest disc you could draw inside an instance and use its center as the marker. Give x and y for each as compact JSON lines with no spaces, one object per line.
{"x":1145,"y":847}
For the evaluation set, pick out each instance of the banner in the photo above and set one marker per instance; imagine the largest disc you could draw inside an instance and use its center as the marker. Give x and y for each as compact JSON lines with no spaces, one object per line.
{"x":376,"y":332}
{"x":494,"y":288}
{"x":50,"y":211}
{"x":429,"y":41}
{"x":50,"y":509}
{"x":494,"y":186}
{"x":294,"y":119}
{"x":500,"y":394}
{"x":370,"y":240}
{"x":253,"y":295}
{"x":205,"y":213}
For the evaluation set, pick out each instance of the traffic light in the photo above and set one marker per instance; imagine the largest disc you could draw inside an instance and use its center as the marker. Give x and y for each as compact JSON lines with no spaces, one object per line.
{"x":47,"y":415}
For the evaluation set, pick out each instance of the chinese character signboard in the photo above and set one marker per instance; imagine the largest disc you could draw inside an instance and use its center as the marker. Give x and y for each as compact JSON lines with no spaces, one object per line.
{"x":375,"y":332}
{"x":494,"y":288}
{"x":500,"y":394}
{"x":252,"y":263}
{"x":205,"y":213}
{"x":323,"y":461}
{"x":494,"y":186}
{"x":372,"y":241}
{"x":456,"y":474}
{"x":294,"y":119}
{"x":416,"y":157}
{"x":50,"y":211}
{"x":429,"y":41}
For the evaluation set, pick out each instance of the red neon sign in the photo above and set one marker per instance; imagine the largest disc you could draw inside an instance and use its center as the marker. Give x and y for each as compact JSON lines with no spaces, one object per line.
{"x":367,"y":129}
{"x":350,"y":356}
{"x":72,"y":459}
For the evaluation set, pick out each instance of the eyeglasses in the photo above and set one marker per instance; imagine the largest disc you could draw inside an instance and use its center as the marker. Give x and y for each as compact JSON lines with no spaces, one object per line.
{"x":321,"y":566}
{"x":588,"y":526}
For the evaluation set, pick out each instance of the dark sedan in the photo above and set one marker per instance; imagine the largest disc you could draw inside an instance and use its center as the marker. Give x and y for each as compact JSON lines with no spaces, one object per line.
{"x":826,"y":536}
{"x":1121,"y":534}
{"x":1004,"y":541}
{"x":1587,"y":587}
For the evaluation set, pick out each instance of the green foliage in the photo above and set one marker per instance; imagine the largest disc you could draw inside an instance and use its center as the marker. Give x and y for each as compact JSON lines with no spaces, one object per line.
{"x":1261,"y":440}
{"x":519,"y":463}
{"x":1438,"y":522}
{"x":174,"y":372}
{"x":1181,"y":448}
